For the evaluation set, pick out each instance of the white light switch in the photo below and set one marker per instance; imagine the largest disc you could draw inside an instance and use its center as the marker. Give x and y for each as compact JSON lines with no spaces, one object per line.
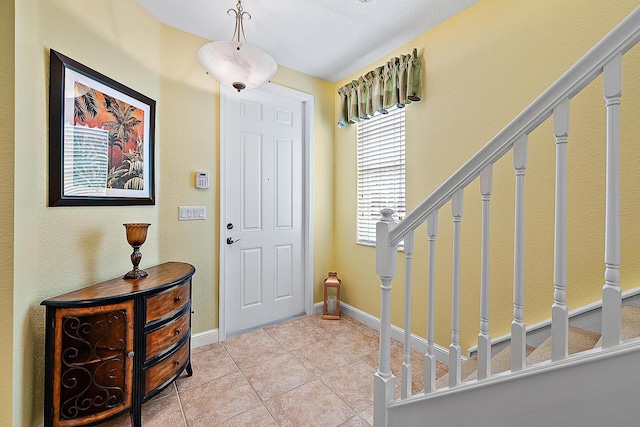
{"x":189,"y":213}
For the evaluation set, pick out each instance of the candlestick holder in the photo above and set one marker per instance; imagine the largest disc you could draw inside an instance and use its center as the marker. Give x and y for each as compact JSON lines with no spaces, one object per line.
{"x":136,"y":236}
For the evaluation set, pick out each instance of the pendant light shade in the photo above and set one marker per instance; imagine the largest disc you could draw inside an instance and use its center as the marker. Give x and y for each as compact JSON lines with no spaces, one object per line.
{"x":236,"y":64}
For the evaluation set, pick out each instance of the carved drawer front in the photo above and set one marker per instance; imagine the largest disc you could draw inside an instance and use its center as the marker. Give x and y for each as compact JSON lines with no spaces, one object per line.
{"x":174,"y":299}
{"x":158,"y":374}
{"x":160,"y":340}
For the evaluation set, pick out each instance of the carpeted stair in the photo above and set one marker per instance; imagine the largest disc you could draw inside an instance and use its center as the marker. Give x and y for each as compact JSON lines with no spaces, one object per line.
{"x":579,"y":340}
{"x":630,"y":323}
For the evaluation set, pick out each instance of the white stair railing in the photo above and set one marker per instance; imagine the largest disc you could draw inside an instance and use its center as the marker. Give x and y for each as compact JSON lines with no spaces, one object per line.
{"x":611,"y":294}
{"x":484,"y":339}
{"x":386,"y":268}
{"x":604,"y":58}
{"x":430,"y":357}
{"x":406,"y":365}
{"x":455,"y":352}
{"x":518,"y":328}
{"x":559,"y":311}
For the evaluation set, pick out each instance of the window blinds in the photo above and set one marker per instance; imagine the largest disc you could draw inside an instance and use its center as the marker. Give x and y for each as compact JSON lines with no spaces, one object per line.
{"x":381,"y":171}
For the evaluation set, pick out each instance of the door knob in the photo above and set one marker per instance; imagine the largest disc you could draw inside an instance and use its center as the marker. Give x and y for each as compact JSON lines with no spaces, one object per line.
{"x":230,"y":240}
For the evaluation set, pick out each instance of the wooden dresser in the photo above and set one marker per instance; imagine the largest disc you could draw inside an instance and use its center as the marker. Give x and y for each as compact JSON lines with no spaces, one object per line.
{"x":112,"y":346}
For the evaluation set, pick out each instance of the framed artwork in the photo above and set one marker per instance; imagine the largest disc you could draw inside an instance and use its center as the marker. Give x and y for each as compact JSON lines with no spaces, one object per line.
{"x":101,"y":136}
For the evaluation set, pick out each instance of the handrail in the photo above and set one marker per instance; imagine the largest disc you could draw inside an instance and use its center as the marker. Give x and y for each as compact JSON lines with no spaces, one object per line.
{"x":622,"y":38}
{"x":604,"y":58}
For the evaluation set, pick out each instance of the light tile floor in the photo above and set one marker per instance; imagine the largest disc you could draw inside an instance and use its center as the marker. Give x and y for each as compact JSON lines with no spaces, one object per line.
{"x":302,"y":372}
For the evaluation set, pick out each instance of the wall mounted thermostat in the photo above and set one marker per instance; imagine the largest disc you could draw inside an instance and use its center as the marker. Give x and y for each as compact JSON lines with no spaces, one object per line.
{"x":202,"y":179}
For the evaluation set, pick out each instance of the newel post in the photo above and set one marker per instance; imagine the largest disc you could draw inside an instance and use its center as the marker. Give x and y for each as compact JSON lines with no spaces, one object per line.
{"x":384,"y":382}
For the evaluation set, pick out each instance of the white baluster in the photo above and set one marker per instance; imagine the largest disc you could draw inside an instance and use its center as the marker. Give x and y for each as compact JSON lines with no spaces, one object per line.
{"x":611,"y":294}
{"x":484,"y":339}
{"x":455,"y":353}
{"x":429,"y":357}
{"x":559,"y":311}
{"x":406,"y":365}
{"x":518,"y":328}
{"x":386,"y":267}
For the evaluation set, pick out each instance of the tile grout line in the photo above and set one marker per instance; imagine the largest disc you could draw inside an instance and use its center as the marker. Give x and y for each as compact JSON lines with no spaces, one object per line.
{"x":323,"y":335}
{"x":252,"y":388}
{"x":318,"y":377}
{"x":184,"y":416}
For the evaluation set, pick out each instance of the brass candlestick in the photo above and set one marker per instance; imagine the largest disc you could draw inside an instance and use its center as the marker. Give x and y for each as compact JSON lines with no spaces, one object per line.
{"x":136,"y":235}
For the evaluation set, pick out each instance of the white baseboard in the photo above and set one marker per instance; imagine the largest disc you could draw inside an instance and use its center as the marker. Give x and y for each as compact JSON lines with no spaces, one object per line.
{"x":442,"y":354}
{"x":417,"y":342}
{"x":204,"y":338}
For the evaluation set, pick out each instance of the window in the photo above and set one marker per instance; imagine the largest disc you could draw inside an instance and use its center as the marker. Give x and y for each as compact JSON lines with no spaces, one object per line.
{"x":381,"y":171}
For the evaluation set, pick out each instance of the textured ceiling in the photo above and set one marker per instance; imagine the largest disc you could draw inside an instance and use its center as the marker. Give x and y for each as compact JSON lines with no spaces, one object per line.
{"x":330,"y":39}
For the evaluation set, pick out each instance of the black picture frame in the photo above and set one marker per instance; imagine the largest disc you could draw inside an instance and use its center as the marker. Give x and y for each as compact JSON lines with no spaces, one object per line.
{"x":101,"y":139}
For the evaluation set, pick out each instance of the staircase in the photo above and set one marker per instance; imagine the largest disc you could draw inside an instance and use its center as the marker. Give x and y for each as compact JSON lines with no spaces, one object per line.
{"x":579,"y":340}
{"x":574,"y":378}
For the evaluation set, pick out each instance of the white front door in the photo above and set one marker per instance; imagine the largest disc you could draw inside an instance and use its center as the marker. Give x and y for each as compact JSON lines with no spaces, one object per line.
{"x":263,"y":208}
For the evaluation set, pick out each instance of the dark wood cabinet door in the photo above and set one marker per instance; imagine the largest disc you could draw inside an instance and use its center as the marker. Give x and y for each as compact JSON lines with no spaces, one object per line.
{"x":93,"y":363}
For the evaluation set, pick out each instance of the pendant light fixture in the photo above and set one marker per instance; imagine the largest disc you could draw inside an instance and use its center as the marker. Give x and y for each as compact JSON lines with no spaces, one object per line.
{"x":235,"y":63}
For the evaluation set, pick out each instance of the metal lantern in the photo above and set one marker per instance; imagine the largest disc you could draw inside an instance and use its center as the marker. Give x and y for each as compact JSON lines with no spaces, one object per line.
{"x":331,"y":309}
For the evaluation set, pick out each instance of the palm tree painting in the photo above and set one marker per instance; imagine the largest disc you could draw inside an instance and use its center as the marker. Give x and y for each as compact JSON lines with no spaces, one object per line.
{"x":125,"y":126}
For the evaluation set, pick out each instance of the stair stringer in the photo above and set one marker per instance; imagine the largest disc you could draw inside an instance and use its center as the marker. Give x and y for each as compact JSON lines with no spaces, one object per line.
{"x":592,"y":388}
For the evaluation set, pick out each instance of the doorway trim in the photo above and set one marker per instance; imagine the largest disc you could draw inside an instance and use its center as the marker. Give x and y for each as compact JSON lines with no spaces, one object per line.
{"x":307,"y":101}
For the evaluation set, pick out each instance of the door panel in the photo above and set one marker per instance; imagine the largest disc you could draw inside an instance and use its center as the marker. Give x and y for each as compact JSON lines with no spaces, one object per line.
{"x":251,"y":182}
{"x":251,"y":280}
{"x":284,"y":184}
{"x":284,"y":268}
{"x":263,"y":199}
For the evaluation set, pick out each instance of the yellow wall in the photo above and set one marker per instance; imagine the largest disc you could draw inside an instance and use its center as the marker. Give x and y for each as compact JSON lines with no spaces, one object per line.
{"x":481,"y":68}
{"x":6,"y":199}
{"x":188,"y":133}
{"x":64,"y":248}
{"x":61,"y":249}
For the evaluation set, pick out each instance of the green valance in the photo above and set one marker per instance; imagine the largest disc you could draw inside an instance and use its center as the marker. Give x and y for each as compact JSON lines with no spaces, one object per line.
{"x":395,"y":83}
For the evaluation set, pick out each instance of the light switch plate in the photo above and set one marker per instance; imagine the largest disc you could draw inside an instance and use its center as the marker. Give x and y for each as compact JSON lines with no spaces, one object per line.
{"x":191,"y":213}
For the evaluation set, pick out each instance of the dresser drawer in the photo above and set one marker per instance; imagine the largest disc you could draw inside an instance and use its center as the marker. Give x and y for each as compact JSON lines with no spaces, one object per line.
{"x":158,"y":374}
{"x":159,"y":306}
{"x":163,"y":338}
